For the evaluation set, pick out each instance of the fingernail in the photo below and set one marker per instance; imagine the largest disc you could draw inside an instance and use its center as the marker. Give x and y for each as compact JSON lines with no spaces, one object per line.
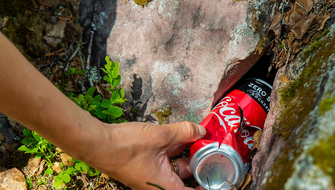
{"x":202,"y":130}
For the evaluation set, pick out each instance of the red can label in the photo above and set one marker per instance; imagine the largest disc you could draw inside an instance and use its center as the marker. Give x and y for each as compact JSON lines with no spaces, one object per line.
{"x":235,"y":119}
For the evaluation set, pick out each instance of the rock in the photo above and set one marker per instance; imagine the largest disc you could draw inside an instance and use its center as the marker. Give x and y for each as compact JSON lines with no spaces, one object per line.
{"x":297,"y":149}
{"x":12,"y":179}
{"x":50,"y":3}
{"x":56,"y":30}
{"x":187,"y":54}
{"x":32,"y":166}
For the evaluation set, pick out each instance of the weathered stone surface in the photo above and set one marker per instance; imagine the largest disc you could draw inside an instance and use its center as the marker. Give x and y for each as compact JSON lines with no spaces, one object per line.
{"x":12,"y":179}
{"x":32,"y":166}
{"x":187,"y":53}
{"x":296,"y":150}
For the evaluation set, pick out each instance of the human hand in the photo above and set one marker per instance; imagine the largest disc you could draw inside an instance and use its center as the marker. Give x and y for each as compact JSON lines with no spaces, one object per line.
{"x":135,"y":153}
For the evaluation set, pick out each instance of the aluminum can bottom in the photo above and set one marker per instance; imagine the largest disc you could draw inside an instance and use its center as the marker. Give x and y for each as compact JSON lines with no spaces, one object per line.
{"x":215,"y":167}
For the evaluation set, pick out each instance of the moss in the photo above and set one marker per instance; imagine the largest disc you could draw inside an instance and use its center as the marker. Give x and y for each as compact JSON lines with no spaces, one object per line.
{"x":324,"y":154}
{"x":326,"y":104}
{"x":297,"y":101}
{"x":142,"y":2}
{"x":325,"y":32}
{"x":315,"y":45}
{"x":163,"y":114}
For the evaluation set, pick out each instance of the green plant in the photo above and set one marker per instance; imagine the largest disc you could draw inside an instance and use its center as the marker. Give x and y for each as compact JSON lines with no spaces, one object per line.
{"x":104,"y":109}
{"x":35,"y":144}
{"x":75,"y":71}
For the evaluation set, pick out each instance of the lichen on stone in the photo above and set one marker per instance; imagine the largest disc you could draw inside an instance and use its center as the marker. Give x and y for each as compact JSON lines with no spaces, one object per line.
{"x":163,"y":114}
{"x":142,"y":2}
{"x":301,"y":126}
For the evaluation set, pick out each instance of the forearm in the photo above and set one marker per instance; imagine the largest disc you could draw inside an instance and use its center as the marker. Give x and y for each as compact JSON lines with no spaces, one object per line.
{"x":28,"y":97}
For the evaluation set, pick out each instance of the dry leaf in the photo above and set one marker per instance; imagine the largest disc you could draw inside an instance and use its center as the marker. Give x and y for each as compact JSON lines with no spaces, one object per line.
{"x":99,"y":91}
{"x":69,"y":87}
{"x":57,"y":167}
{"x":307,"y":39}
{"x":247,"y":181}
{"x":66,"y":159}
{"x":275,"y":20}
{"x":284,"y":78}
{"x":303,"y":25}
{"x":305,"y":5}
{"x":257,"y":137}
{"x":294,"y":17}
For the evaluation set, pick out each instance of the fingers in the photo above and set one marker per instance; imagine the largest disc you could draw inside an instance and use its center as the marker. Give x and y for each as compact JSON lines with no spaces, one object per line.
{"x":184,"y":168}
{"x":199,"y":188}
{"x":185,"y":132}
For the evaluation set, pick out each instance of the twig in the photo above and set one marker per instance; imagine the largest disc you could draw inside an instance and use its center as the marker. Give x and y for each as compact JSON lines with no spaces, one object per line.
{"x":231,"y":185}
{"x":89,"y":51}
{"x":72,"y":56}
{"x":289,"y":52}
{"x":51,"y":64}
{"x":81,"y":60}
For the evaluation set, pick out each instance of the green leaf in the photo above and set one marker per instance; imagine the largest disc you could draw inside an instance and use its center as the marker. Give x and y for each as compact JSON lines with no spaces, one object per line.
{"x":49,"y":171}
{"x":106,"y":78}
{"x":120,"y":101}
{"x":115,"y":110}
{"x":58,"y":182}
{"x":122,"y":92}
{"x":69,"y":95}
{"x":23,"y":148}
{"x":39,"y":155}
{"x":97,"y":98}
{"x":70,"y":170}
{"x":115,"y":96}
{"x":115,"y":72}
{"x":111,"y":119}
{"x":106,"y":103}
{"x":100,"y":114}
{"x":82,"y":167}
{"x":25,"y":141}
{"x":116,"y":81}
{"x":91,"y":91}
{"x":60,"y":88}
{"x":104,"y":70}
{"x":66,"y":178}
{"x":37,"y":137}
{"x":26,"y":132}
{"x":108,"y":65}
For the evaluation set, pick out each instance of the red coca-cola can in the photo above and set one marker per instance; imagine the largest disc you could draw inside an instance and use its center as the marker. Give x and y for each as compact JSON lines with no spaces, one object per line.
{"x":221,"y":158}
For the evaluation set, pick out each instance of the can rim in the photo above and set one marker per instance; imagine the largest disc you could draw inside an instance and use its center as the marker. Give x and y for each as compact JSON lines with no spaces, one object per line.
{"x":260,"y":80}
{"x":227,"y":151}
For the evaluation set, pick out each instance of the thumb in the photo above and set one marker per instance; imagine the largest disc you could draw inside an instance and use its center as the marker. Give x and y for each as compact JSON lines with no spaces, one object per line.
{"x":185,"y":132}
